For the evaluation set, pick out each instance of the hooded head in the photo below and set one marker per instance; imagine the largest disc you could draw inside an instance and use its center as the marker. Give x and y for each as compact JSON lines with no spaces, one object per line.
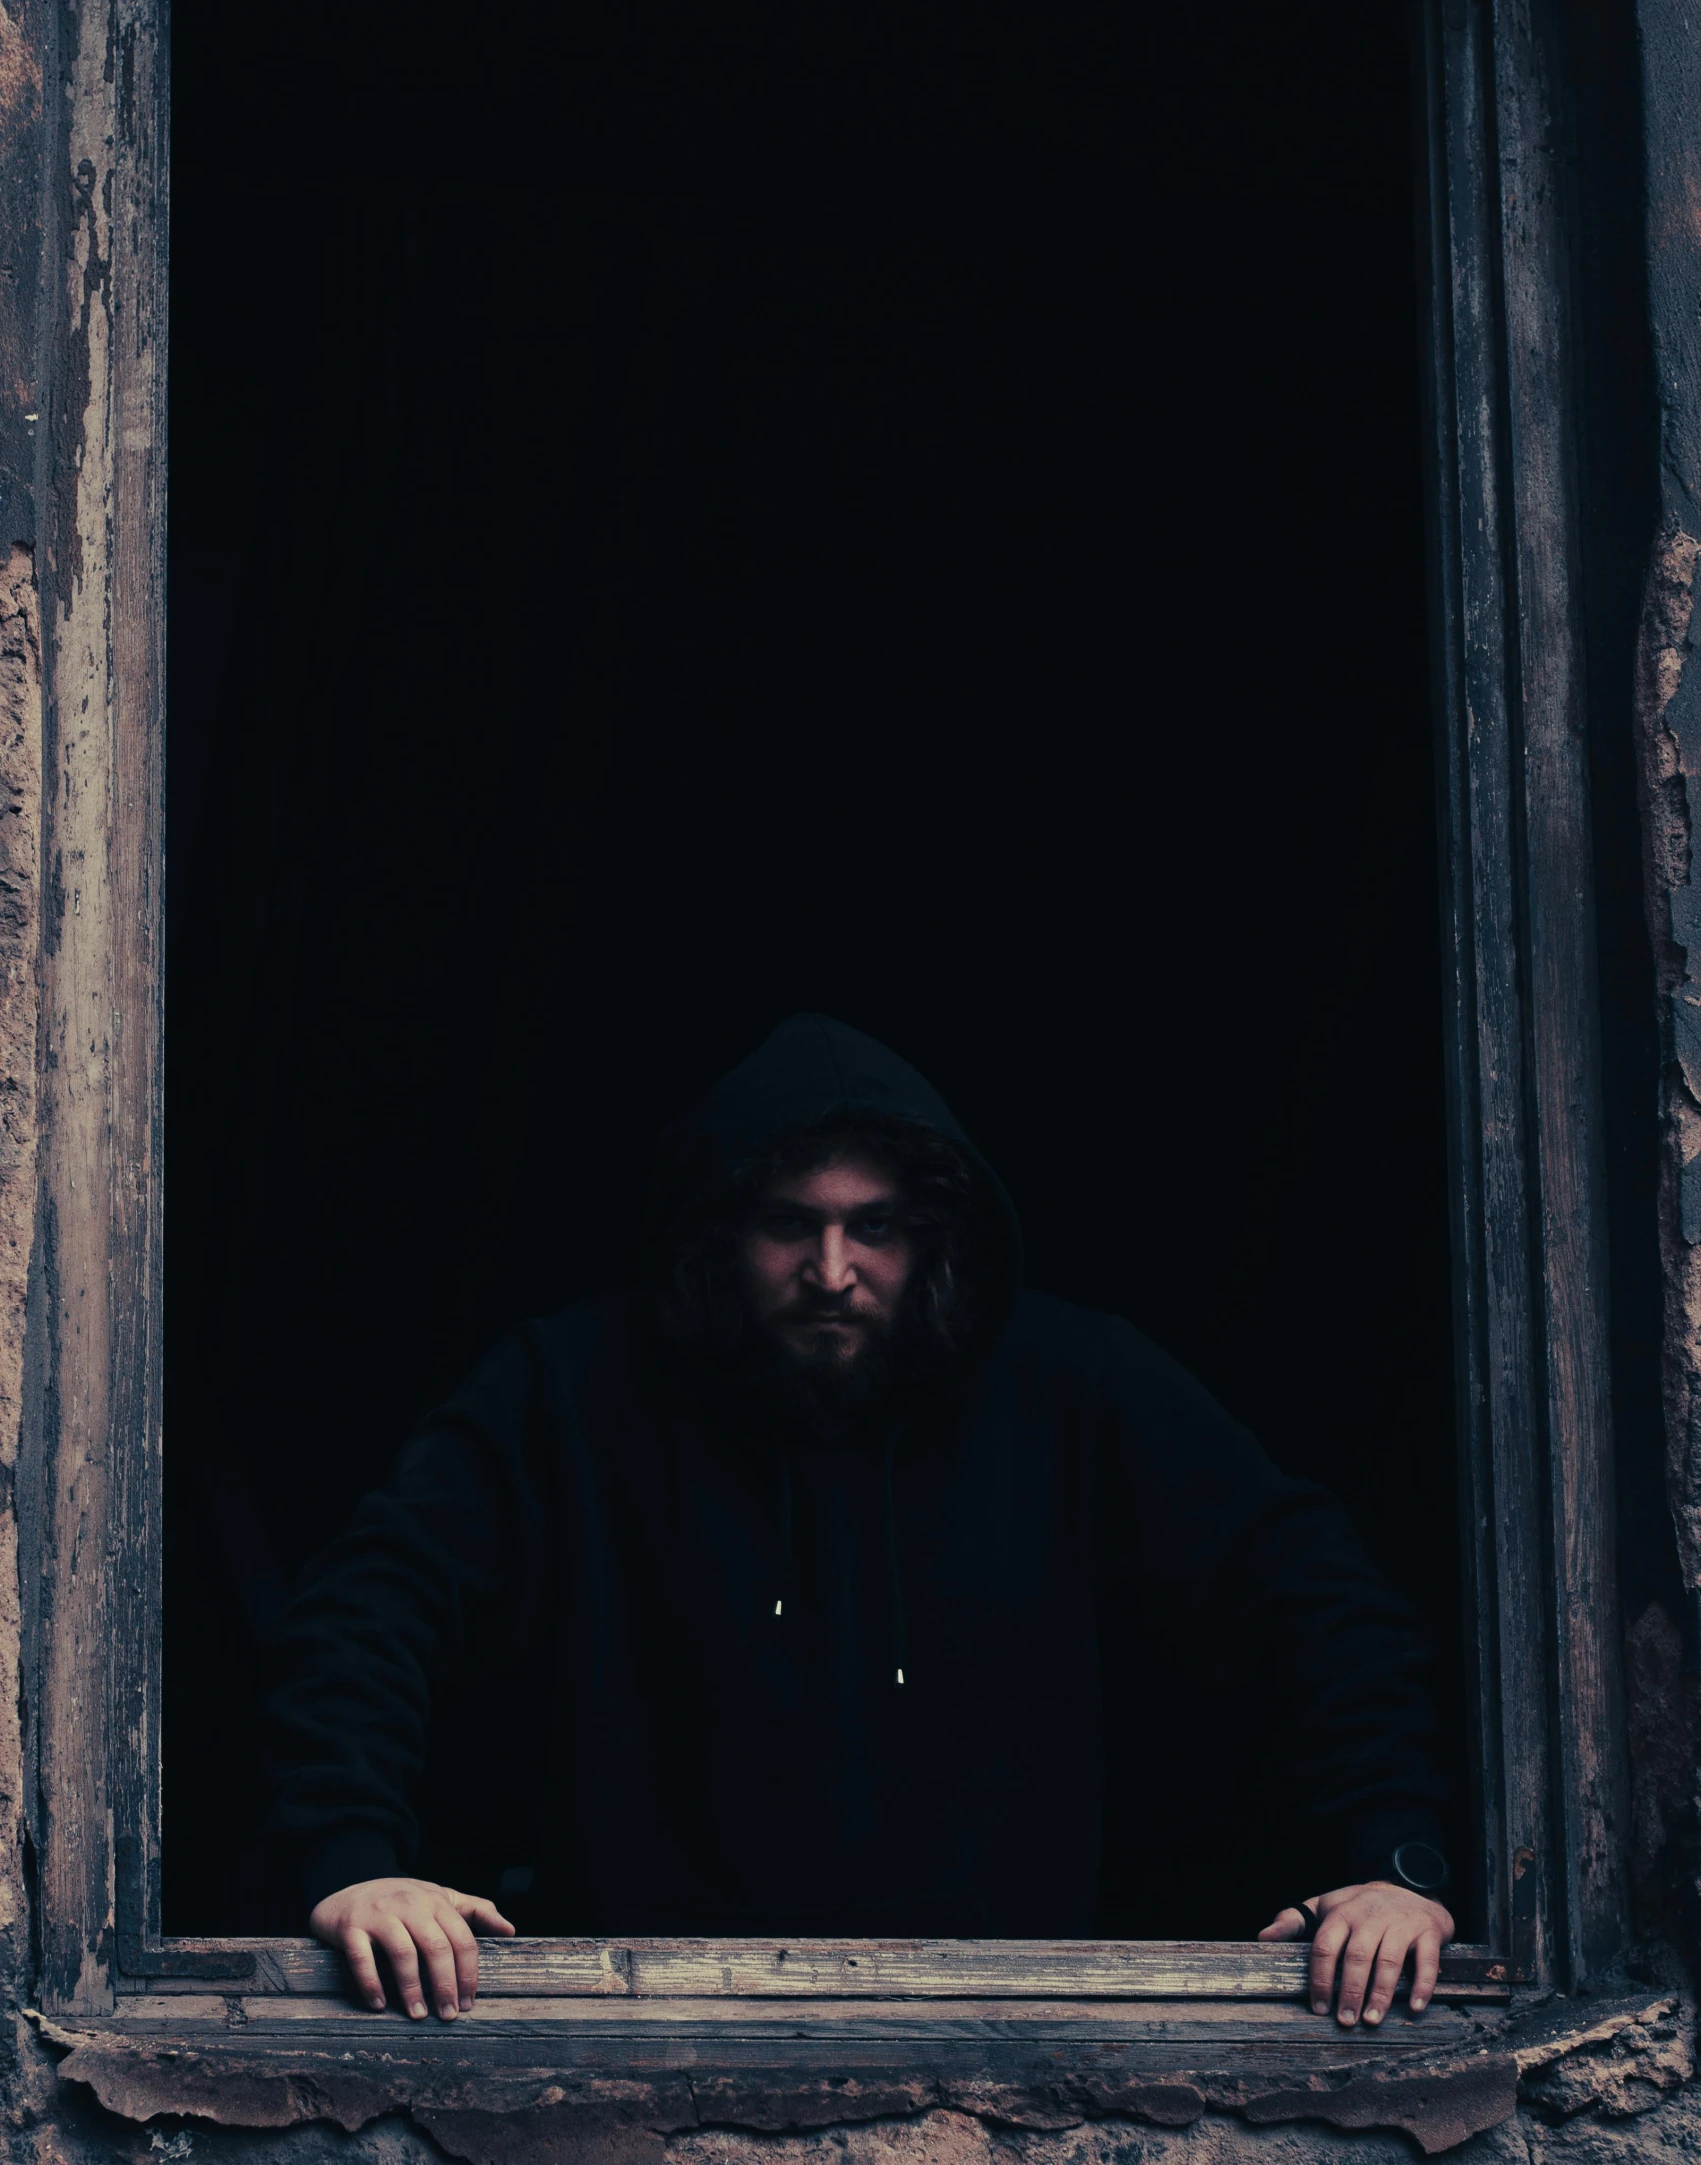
{"x":816,"y":1092}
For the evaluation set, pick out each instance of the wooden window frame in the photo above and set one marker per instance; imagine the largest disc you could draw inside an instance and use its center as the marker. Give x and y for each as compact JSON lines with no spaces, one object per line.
{"x":1526,"y":1167}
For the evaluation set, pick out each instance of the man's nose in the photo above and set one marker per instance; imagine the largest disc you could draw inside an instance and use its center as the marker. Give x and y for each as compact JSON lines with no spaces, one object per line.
{"x":831,"y":1263}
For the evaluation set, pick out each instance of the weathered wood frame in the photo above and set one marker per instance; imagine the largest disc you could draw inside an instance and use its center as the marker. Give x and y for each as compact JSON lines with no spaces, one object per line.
{"x":1527,"y":1164}
{"x":1526,"y":1161}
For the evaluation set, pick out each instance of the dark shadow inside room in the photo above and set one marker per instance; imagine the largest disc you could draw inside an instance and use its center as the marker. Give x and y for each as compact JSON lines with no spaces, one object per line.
{"x":682,"y":516}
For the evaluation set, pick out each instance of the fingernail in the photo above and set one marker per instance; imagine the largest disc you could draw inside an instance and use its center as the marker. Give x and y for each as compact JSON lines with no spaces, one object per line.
{"x":416,"y":2008}
{"x":1320,"y":2007}
{"x":1371,"y":2015}
{"x":1347,"y":2020}
{"x":1418,"y":2005}
{"x":448,"y":2010}
{"x":376,"y":2002}
{"x":466,"y":2005}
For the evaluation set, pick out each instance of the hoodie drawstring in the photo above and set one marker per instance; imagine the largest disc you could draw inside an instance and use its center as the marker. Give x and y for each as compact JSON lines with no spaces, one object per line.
{"x":892,"y":1558}
{"x":892,"y":1564}
{"x":785,"y":1514}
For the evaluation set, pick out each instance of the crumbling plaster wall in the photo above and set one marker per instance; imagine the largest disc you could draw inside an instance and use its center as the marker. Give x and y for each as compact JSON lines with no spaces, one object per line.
{"x":1664,"y":1735}
{"x":1586,"y":2109}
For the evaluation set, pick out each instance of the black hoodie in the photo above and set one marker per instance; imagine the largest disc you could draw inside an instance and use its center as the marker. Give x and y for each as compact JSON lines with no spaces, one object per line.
{"x":1139,"y":1663}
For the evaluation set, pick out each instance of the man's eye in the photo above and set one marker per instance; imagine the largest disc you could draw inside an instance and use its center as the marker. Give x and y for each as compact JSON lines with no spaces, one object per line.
{"x":873,"y":1228}
{"x":780,"y":1227}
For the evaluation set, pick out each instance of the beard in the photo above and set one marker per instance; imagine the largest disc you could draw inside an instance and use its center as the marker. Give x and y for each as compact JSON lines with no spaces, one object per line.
{"x":829,"y":1387}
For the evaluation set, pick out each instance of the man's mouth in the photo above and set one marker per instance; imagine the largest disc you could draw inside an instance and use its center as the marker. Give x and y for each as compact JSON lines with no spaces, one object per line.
{"x":836,"y":1320}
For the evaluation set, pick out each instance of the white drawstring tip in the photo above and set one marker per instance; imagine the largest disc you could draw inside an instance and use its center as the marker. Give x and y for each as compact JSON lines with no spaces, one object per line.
{"x":779,"y":1605}
{"x":900,"y":1676}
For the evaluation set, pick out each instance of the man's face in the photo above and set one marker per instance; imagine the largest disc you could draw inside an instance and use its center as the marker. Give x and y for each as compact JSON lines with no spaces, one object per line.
{"x":827,"y":1256}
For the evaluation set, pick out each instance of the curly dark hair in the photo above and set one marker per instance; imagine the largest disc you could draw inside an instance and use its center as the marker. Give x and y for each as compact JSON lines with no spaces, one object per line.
{"x":695,"y":1288}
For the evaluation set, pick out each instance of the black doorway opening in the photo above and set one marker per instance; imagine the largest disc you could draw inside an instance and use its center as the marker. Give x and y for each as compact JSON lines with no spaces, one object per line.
{"x":680,"y":517}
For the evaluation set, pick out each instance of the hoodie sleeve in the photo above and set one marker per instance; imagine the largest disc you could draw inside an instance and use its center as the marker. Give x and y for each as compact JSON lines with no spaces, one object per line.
{"x":431,"y":1574}
{"x":1267,"y":1570}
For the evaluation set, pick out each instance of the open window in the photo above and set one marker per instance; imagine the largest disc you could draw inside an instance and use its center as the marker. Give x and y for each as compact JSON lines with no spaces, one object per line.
{"x":716,"y":522}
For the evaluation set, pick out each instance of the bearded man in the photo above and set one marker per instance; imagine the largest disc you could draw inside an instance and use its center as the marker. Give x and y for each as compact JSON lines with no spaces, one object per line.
{"x":856,"y":1585}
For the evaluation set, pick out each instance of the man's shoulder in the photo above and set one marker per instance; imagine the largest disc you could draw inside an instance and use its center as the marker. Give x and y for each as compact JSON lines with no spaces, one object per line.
{"x":582,"y":1353}
{"x":582,"y":1328}
{"x":1104,"y":1353}
{"x":1044,"y":1326}
{"x":548,"y":1350}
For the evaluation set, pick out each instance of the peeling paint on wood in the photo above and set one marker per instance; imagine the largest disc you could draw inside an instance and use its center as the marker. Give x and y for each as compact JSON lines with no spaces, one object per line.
{"x":104,"y":624}
{"x":20,"y":830}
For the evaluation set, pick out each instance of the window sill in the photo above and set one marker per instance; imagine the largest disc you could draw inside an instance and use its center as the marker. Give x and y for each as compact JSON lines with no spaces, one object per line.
{"x":540,"y":2070}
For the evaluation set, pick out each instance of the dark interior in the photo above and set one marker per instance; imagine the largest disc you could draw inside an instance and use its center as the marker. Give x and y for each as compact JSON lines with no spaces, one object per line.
{"x":683,"y":515}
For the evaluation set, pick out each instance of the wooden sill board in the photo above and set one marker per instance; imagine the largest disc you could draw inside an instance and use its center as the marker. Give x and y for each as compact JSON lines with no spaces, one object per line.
{"x":761,"y":2062}
{"x":843,"y":1969}
{"x":281,"y":2019}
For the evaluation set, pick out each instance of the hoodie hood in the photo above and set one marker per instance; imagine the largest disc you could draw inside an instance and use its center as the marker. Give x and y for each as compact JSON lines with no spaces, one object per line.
{"x":809,"y":1070}
{"x":804,"y":1072}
